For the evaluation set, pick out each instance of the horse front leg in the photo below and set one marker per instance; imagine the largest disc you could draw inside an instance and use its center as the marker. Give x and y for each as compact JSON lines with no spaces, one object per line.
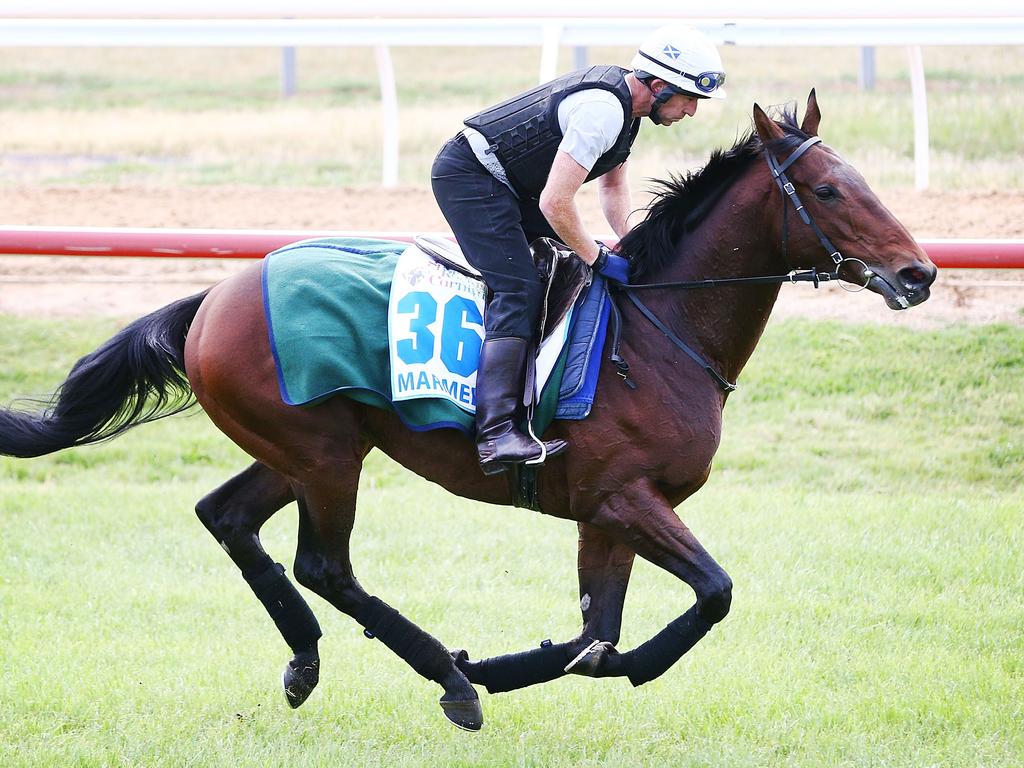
{"x":604,"y":566}
{"x":234,"y":514}
{"x":641,"y":518}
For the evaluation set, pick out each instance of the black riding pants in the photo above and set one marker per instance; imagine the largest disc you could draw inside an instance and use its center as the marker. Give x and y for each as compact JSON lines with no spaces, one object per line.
{"x":494,"y":229}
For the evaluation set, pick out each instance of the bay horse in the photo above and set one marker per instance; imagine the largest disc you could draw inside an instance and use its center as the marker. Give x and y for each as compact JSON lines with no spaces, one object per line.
{"x":639,"y":454}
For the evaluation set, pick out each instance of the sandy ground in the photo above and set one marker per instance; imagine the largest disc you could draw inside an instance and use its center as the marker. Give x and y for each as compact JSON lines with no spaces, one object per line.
{"x":66,"y":286}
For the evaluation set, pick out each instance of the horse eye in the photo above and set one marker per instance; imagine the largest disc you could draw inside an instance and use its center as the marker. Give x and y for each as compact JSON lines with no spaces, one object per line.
{"x":826,"y":192}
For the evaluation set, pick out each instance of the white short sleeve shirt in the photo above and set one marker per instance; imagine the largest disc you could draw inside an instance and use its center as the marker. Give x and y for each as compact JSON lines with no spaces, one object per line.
{"x":590,"y":121}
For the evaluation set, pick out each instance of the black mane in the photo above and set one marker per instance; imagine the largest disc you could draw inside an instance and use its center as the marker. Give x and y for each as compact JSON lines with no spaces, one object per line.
{"x":681,"y":203}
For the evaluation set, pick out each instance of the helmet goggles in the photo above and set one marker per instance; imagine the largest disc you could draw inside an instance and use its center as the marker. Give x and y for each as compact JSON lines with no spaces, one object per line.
{"x":705,"y":82}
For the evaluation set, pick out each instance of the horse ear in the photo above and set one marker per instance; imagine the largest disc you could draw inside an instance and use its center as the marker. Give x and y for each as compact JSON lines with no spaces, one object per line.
{"x":812,"y":116}
{"x":767,"y":129}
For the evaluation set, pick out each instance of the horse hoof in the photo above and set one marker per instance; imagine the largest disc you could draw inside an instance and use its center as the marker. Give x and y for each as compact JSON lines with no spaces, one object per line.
{"x":300,"y":678}
{"x":590,"y":660}
{"x":467,"y":715}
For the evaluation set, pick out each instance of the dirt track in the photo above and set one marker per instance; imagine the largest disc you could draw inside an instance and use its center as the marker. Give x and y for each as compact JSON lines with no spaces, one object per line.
{"x":129,"y":287}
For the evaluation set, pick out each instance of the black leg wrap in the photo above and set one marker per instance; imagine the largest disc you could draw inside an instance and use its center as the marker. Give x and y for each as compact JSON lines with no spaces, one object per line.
{"x":421,"y":651}
{"x":294,"y":619}
{"x":653,"y":658}
{"x":518,"y":670}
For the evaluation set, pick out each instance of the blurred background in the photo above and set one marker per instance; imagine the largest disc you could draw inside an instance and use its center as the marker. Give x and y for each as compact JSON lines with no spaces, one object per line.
{"x":174,"y":116}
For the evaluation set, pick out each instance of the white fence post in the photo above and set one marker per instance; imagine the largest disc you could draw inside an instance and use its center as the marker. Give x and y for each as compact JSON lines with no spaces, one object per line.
{"x":289,"y":81}
{"x":552,"y":36}
{"x":579,"y":57}
{"x":867,"y":68}
{"x":920,"y":98}
{"x":388,"y":114}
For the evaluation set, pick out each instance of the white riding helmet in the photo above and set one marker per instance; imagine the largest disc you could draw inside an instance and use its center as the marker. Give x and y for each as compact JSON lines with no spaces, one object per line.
{"x":683,"y":57}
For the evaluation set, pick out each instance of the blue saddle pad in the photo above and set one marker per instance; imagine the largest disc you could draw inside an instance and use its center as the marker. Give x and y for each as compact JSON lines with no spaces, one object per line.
{"x":583,"y":353}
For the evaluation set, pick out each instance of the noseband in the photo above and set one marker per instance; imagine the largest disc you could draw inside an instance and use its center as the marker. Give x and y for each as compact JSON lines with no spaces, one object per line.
{"x":778,"y":171}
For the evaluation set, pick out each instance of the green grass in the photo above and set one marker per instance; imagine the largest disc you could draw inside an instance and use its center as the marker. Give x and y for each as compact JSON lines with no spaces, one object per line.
{"x":867,"y":501}
{"x":214,"y":116}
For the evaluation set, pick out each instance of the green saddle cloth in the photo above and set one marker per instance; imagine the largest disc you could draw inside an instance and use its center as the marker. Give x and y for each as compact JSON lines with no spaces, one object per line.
{"x":326,"y":304}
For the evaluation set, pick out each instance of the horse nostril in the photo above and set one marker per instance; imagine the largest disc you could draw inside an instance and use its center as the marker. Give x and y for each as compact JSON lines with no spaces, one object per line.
{"x":916,"y":278}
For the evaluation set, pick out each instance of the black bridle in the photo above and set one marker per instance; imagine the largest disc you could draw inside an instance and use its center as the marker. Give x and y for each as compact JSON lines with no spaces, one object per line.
{"x":778,"y":171}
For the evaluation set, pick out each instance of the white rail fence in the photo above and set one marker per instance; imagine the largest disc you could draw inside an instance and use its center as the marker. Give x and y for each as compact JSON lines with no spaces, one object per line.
{"x":446,"y":9}
{"x":550,"y":25}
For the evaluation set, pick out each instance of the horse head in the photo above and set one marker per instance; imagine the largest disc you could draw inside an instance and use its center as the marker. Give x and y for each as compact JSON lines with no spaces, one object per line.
{"x":845,"y":226}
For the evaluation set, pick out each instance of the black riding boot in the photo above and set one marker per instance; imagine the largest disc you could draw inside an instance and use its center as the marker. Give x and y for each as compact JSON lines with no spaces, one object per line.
{"x":499,"y":442}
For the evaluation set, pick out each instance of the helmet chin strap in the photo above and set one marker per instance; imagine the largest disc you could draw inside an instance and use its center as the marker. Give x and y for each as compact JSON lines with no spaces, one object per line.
{"x":660,"y":98}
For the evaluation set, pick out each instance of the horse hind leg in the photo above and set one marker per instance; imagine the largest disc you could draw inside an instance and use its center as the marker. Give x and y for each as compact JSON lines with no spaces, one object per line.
{"x":234,"y":514}
{"x":326,"y":515}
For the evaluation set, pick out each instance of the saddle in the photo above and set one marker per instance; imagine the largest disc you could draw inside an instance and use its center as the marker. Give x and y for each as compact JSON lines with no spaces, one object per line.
{"x":564,"y":274}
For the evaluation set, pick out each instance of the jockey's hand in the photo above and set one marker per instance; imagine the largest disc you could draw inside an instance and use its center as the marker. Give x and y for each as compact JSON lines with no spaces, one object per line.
{"x":611,"y":265}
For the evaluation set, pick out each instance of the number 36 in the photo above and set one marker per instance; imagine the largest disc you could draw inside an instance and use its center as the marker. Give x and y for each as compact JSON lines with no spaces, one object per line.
{"x":460,"y":339}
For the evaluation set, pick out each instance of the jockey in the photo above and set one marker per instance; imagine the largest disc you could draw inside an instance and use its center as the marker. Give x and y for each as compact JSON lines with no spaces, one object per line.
{"x":511,"y":176}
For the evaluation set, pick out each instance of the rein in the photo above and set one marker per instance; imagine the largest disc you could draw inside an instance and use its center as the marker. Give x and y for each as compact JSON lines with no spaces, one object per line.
{"x":778,"y":171}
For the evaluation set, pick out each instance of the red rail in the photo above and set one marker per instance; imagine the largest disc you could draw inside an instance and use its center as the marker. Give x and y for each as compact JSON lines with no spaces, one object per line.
{"x":162,"y":243}
{"x":254,"y":244}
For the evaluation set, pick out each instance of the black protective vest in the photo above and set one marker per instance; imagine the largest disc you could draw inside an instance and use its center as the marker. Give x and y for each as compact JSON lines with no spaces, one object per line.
{"x":524,"y":133}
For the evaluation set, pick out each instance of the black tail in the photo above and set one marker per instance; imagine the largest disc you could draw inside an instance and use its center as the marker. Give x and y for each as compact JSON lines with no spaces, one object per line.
{"x":135,"y":377}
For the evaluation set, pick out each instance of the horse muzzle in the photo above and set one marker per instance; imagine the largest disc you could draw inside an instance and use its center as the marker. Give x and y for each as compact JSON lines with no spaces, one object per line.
{"x":903,"y":288}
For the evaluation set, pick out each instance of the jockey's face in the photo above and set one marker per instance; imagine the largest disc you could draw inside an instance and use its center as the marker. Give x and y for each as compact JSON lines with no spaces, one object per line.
{"x":679,"y":106}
